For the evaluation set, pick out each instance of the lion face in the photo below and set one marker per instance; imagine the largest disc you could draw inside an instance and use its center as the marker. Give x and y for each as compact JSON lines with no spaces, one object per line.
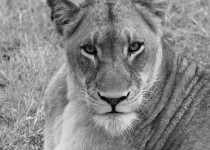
{"x":115,"y":54}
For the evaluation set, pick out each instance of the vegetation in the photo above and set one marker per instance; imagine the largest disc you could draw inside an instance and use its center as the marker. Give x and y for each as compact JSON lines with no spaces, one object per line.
{"x":31,"y":52}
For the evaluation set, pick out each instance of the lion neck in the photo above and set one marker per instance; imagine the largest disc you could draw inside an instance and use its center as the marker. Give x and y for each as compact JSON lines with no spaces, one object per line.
{"x":173,"y":100}
{"x":166,"y":109}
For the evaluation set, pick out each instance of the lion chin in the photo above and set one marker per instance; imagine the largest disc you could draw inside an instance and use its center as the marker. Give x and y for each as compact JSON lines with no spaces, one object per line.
{"x":115,"y":124}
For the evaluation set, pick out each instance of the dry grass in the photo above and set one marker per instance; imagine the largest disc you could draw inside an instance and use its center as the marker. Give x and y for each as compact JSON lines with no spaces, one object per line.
{"x":190,"y":24}
{"x":30,"y":52}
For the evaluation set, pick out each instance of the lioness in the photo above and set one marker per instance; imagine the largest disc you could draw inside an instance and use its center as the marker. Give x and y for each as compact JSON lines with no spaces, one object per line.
{"x":122,"y":87}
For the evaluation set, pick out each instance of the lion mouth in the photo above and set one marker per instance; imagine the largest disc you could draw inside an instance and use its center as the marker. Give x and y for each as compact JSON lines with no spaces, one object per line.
{"x":113,"y":113}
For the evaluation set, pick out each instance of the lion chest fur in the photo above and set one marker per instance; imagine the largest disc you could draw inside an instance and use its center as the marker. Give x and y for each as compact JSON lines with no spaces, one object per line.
{"x":178,"y":119}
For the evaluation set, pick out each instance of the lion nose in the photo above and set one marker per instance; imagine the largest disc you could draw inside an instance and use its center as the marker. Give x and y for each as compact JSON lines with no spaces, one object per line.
{"x":113,"y":101}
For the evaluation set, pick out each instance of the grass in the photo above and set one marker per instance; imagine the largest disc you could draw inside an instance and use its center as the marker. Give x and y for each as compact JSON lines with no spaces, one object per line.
{"x":31,"y":51}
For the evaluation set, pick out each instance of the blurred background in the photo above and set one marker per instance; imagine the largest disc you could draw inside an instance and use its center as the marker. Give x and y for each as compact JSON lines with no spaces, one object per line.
{"x":31,"y":52}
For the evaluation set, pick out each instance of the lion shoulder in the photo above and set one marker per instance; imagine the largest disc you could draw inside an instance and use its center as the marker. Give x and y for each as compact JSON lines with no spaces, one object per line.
{"x":55,"y":95}
{"x":55,"y":101}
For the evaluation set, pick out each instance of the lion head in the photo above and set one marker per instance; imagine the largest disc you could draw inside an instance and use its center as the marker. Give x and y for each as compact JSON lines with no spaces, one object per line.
{"x":114,"y":51}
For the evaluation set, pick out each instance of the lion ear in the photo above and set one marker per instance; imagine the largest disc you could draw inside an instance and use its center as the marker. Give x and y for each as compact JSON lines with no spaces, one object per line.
{"x":156,"y":7}
{"x":63,"y":12}
{"x":160,"y":8}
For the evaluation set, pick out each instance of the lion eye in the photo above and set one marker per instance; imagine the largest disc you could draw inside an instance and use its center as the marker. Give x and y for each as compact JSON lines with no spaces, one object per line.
{"x":137,"y":46}
{"x":89,"y":49}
